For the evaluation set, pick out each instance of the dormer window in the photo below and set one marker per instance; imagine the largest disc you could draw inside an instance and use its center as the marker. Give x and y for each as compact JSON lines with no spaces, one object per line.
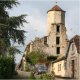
{"x":58,"y":29}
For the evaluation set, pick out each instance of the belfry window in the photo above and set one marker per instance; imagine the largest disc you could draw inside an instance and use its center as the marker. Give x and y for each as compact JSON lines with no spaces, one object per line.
{"x":58,"y":29}
{"x":57,"y":40}
{"x":58,"y":50}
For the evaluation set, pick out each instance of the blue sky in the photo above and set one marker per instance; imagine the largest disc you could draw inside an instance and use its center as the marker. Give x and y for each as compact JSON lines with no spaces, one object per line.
{"x":37,"y":18}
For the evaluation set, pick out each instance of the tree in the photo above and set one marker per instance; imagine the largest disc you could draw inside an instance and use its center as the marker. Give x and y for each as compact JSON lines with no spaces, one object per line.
{"x":10,"y":29}
{"x":7,"y":67}
{"x":12,"y":51}
{"x":35,"y":57}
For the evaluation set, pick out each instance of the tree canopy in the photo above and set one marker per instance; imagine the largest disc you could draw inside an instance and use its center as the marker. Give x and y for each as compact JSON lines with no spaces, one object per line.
{"x":36,"y":57}
{"x":10,"y":26}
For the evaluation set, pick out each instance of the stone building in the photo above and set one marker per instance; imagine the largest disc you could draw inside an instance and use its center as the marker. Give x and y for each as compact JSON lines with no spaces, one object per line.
{"x":55,"y":43}
{"x":57,"y":38}
{"x":73,"y":58}
{"x":69,"y":65}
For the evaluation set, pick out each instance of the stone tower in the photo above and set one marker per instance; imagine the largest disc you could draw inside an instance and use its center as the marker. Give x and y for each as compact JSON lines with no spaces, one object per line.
{"x":57,"y":38}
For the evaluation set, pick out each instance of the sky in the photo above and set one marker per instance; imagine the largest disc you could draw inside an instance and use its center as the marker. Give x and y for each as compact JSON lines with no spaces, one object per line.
{"x":36,"y":11}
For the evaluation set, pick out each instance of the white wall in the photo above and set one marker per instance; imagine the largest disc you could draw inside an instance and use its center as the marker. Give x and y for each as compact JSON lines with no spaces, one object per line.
{"x":55,"y":68}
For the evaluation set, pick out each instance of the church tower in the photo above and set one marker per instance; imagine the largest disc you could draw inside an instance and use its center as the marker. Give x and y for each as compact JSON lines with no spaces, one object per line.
{"x":57,"y":38}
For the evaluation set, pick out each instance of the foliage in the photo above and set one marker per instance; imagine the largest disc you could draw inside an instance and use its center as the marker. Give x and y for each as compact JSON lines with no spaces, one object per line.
{"x":6,"y":4}
{"x":7,"y":67}
{"x":10,"y":29}
{"x":51,"y":58}
{"x":27,"y":67}
{"x":46,"y":77}
{"x":13,"y":51}
{"x":35,"y":57}
{"x":32,"y":76}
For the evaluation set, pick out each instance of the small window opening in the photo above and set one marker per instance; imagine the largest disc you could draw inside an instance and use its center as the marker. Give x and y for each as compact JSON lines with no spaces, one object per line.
{"x":57,"y":40}
{"x":45,"y":40}
{"x":58,"y":28}
{"x":58,"y":50}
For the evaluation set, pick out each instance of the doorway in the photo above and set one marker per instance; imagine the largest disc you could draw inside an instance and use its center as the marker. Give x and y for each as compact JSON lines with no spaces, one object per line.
{"x":73,"y":68}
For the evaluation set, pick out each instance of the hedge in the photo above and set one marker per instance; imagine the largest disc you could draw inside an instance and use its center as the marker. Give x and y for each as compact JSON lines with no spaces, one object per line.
{"x":7,"y":67}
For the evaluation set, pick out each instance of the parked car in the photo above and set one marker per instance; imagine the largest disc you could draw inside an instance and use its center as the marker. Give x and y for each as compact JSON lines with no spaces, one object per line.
{"x":41,"y":69}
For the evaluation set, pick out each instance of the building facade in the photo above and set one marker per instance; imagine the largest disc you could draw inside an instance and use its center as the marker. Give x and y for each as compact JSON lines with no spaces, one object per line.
{"x":57,"y":38}
{"x":73,"y":59}
{"x":69,"y":65}
{"x":55,"y":43}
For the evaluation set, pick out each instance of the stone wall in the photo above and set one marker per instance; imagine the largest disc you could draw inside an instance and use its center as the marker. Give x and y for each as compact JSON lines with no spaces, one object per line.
{"x":72,"y":55}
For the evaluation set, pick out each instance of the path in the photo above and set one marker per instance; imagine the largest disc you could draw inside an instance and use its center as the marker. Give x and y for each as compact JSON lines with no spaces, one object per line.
{"x":22,"y":75}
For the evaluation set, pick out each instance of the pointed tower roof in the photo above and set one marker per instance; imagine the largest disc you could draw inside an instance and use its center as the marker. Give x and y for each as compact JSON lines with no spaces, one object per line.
{"x":56,"y":8}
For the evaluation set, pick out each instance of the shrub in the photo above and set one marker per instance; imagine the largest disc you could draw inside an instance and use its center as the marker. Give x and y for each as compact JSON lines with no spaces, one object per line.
{"x":27,"y":67}
{"x":32,"y":76}
{"x":46,"y":77}
{"x":7,"y":67}
{"x":51,"y":58}
{"x":35,"y":57}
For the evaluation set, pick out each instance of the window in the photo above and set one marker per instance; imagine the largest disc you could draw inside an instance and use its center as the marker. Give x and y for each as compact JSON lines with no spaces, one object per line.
{"x":45,"y":40}
{"x":58,"y":50}
{"x":59,"y":67}
{"x":57,"y":40}
{"x":58,"y":29}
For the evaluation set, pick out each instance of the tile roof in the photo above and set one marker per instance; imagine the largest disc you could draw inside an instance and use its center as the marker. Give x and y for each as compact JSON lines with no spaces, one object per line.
{"x":56,"y":8}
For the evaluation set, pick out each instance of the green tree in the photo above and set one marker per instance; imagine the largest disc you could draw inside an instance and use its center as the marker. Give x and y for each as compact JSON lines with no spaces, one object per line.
{"x":13,"y":50}
{"x":10,"y":29}
{"x":7,"y":67}
{"x":35,"y":57}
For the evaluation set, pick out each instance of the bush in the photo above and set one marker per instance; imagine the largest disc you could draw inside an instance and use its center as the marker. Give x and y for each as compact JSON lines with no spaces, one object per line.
{"x":7,"y":67}
{"x":35,"y":57}
{"x":46,"y":77}
{"x":32,"y":76}
{"x":51,"y":58}
{"x":27,"y":67}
